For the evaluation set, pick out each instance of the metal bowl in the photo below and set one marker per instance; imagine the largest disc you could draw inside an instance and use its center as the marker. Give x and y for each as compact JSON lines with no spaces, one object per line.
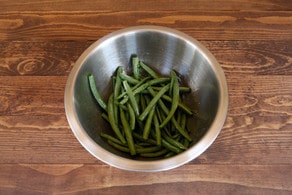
{"x":162,"y":49}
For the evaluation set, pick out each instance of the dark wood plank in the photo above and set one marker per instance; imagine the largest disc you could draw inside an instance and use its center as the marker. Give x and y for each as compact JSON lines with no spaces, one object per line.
{"x":40,"y":139}
{"x":56,"y":58}
{"x":124,"y":5}
{"x":253,"y":57}
{"x":39,"y":58}
{"x":216,"y":25}
{"x":19,"y":58}
{"x":32,"y":95}
{"x":189,"y":179}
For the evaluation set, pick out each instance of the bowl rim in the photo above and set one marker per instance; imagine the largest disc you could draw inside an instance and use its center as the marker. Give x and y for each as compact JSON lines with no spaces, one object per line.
{"x":150,"y":165}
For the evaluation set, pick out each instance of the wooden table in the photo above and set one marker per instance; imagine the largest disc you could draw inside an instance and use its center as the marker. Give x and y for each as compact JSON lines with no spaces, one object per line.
{"x":41,"y":40}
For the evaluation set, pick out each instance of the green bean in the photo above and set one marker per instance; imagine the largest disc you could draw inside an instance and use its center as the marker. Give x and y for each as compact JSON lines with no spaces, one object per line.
{"x":104,"y":116}
{"x":141,"y":82}
{"x":128,"y":133}
{"x":132,"y":98}
{"x":169,"y":154}
{"x":143,"y":104}
{"x":155,"y":154}
{"x":109,"y":137}
{"x":124,"y":94}
{"x":118,"y":83}
{"x":131,"y":117}
{"x":173,"y":142}
{"x":140,"y":144}
{"x":95,"y":93}
{"x":148,"y":70}
{"x":118,"y":146}
{"x":128,"y":78}
{"x":182,"y":131}
{"x":116,"y":111}
{"x":121,"y":106}
{"x":174,"y":122}
{"x":153,"y":102}
{"x":186,"y":143}
{"x":178,"y":116}
{"x":148,"y":149}
{"x":150,"y":83}
{"x":140,"y":137}
{"x":183,"y":121}
{"x":172,"y":80}
{"x":181,"y":89}
{"x":175,"y":99}
{"x":135,"y":66}
{"x":148,"y":123}
{"x":144,"y":86}
{"x":157,"y":130}
{"x":170,"y":147}
{"x":180,"y":104}
{"x":112,"y":120}
{"x":117,"y":90}
{"x":184,"y":89}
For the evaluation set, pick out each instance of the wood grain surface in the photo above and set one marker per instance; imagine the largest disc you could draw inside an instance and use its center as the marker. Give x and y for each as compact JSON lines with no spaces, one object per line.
{"x":40,"y":42}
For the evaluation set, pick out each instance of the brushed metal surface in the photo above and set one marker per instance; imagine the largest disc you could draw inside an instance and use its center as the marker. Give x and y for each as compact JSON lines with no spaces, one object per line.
{"x":162,"y":49}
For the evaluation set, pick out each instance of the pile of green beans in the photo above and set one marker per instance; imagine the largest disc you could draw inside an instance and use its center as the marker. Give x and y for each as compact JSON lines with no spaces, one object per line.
{"x":145,"y":111}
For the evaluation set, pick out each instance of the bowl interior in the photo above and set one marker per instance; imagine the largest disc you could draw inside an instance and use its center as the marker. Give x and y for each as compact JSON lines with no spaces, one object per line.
{"x":162,"y":52}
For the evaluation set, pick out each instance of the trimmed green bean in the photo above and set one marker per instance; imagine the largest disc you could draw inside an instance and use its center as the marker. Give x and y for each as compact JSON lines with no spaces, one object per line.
{"x":183,"y":121}
{"x":181,"y":89}
{"x":175,"y":99}
{"x":155,"y":154}
{"x":153,"y":102}
{"x":172,"y":80}
{"x":182,"y":131}
{"x":173,"y":142}
{"x":157,"y":130}
{"x":170,"y":147}
{"x":116,"y":111}
{"x":118,"y":83}
{"x":144,"y":86}
{"x":104,"y":116}
{"x":148,"y":149}
{"x":169,"y":154}
{"x":186,"y":143}
{"x":128,"y":133}
{"x":117,"y":90}
{"x":112,"y":120}
{"x":174,"y":122}
{"x":148,"y":123}
{"x":132,"y":98}
{"x":140,"y":137}
{"x":124,"y":94}
{"x":180,"y":104}
{"x":148,"y":70}
{"x":136,"y":67}
{"x":184,"y":89}
{"x":109,"y":137}
{"x":143,"y":104}
{"x":118,"y":146}
{"x":95,"y":92}
{"x":150,"y":83}
{"x":131,"y":116}
{"x":178,"y":116}
{"x":128,"y":78}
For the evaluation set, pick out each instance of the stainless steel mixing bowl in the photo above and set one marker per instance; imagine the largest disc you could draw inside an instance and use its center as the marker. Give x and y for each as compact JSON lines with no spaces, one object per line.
{"x":162,"y":49}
